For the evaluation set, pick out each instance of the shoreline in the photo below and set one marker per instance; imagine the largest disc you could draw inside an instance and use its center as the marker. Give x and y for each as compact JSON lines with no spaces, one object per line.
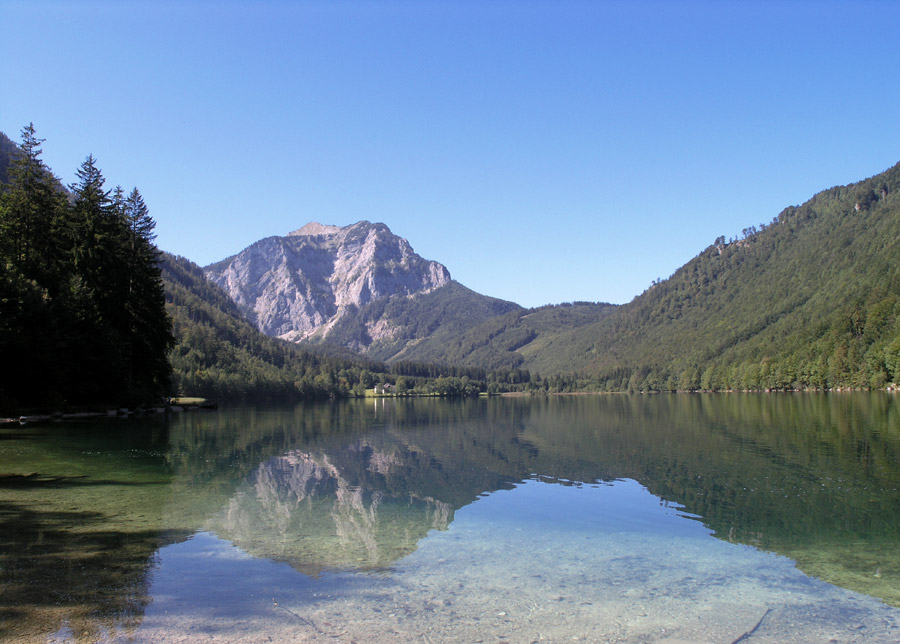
{"x":175,"y":405}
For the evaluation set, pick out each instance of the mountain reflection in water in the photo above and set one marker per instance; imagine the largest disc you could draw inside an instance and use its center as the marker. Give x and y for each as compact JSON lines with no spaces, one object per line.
{"x":301,"y":508}
{"x":358,"y":485}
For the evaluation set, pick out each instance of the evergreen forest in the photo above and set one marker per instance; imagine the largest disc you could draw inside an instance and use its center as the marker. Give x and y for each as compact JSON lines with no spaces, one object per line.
{"x":82,"y":310}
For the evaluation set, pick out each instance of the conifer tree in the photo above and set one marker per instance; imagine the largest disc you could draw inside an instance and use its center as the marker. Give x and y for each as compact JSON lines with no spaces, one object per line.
{"x":32,"y":205}
{"x":150,"y":329}
{"x":91,"y":224}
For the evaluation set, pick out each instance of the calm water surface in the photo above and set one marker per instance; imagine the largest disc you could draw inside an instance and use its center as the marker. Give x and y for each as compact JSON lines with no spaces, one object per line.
{"x":682,"y":518}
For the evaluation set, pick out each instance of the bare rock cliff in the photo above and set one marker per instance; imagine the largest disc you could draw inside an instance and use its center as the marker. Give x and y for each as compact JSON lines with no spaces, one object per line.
{"x":299,"y":285}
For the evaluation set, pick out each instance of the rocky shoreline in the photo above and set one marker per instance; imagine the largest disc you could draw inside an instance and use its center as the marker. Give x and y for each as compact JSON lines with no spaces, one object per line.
{"x":119,"y":413}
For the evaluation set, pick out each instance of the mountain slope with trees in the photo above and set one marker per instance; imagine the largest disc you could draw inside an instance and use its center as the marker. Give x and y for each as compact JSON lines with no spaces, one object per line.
{"x":221,"y":355}
{"x":419,"y":327}
{"x":8,"y":150}
{"x":92,"y":314}
{"x":499,"y":340}
{"x":811,"y":300}
{"x":359,"y":286}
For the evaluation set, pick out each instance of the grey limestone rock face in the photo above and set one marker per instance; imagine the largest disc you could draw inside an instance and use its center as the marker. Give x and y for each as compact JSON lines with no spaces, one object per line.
{"x":299,"y":285}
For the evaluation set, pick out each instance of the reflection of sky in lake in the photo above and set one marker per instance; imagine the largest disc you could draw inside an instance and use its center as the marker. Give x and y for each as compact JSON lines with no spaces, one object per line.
{"x":617,"y":507}
{"x":540,"y":562}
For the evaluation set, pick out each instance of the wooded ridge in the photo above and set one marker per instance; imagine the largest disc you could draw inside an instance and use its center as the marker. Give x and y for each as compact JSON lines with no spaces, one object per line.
{"x":810,"y":300}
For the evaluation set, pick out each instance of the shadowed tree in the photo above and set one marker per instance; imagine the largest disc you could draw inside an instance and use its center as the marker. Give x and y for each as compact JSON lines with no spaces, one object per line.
{"x":82,"y":308}
{"x":32,"y":207}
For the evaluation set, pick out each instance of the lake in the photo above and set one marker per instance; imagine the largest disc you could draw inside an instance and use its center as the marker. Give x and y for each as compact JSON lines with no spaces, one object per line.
{"x":715,"y":518}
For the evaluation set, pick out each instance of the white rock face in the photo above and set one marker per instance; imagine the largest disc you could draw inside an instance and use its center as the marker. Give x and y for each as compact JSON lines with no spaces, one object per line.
{"x":301,"y":284}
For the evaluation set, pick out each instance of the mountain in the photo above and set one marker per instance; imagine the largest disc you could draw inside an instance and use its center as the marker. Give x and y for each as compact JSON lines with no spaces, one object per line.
{"x":811,"y":300}
{"x":301,"y":285}
{"x":219,"y":354}
{"x":359,"y":286}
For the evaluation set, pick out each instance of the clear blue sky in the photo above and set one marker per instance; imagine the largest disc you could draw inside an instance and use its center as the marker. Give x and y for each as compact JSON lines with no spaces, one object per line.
{"x":543,"y":151}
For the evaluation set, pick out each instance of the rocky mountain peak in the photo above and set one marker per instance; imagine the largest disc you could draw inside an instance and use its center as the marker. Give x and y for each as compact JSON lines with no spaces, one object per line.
{"x":315,"y":228}
{"x":301,"y":284}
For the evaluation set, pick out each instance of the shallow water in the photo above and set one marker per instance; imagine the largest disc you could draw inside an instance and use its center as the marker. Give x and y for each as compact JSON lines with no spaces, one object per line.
{"x":598,"y":519}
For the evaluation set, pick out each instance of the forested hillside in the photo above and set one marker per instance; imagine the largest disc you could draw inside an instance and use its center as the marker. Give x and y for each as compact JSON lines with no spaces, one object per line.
{"x":7,"y":152}
{"x":420,"y":327}
{"x":499,"y":341}
{"x":93,"y":314}
{"x":811,"y":300}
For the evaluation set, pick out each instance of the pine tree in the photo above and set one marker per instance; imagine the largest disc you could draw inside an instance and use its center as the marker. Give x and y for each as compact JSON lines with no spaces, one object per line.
{"x":90,"y":297}
{"x":91,"y":225}
{"x":32,"y":206}
{"x":119,"y":289}
{"x":30,"y":216}
{"x":150,"y":329}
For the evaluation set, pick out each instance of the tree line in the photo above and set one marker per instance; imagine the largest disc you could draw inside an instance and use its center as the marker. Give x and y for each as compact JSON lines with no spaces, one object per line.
{"x":82,"y":310}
